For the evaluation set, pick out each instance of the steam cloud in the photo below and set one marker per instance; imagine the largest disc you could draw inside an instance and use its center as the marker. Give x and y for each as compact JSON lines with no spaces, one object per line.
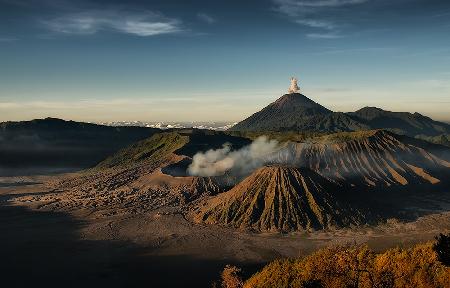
{"x":239,"y":162}
{"x":293,"y":88}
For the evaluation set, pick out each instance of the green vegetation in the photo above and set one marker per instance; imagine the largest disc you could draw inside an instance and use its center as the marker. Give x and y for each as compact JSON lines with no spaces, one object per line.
{"x":443,"y":139}
{"x":292,"y":136}
{"x":346,"y":136}
{"x":151,"y":149}
{"x":281,"y":137}
{"x":358,"y":266}
{"x":333,"y":137}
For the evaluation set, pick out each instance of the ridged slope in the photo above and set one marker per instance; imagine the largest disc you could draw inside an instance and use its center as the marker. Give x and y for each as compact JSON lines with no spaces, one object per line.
{"x":203,"y":186}
{"x":277,"y":198}
{"x":375,"y":158}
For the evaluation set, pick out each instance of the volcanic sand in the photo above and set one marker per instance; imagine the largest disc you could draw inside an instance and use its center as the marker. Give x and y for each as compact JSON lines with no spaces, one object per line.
{"x":116,"y":244}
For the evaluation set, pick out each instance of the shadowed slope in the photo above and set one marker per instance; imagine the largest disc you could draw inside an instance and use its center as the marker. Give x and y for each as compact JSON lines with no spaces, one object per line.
{"x":289,"y":111}
{"x":54,"y":145}
{"x":411,"y":124}
{"x":280,"y":198}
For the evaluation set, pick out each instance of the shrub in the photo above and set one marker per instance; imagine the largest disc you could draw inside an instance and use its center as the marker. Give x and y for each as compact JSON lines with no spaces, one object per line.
{"x":231,"y":278}
{"x":357,"y":266}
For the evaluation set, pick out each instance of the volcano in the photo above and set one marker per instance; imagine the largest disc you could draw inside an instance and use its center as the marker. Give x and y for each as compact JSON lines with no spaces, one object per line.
{"x":296,"y":112}
{"x":279,"y":198}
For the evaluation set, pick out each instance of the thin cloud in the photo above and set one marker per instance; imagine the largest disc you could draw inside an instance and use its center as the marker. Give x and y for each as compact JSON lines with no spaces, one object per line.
{"x":433,"y":83}
{"x":135,"y":23}
{"x":316,"y":23}
{"x":445,"y":14}
{"x":8,"y":39}
{"x":206,"y":18}
{"x":312,"y":14}
{"x":324,"y":36}
{"x":356,"y":50}
{"x":292,"y":7}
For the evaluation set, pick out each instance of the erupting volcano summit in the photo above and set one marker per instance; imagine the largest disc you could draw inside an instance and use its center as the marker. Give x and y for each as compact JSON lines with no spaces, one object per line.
{"x":294,"y":86}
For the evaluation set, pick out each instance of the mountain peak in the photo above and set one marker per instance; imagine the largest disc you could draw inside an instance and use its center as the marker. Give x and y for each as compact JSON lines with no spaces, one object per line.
{"x":296,"y":99}
{"x":285,"y":113}
{"x":370,"y":108}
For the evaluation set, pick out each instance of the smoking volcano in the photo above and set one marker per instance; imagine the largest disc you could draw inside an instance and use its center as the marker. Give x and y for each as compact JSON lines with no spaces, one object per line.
{"x":296,"y":112}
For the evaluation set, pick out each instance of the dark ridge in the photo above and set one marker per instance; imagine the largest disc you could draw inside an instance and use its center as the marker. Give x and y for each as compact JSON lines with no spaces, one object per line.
{"x":51,"y":144}
{"x":411,"y":124}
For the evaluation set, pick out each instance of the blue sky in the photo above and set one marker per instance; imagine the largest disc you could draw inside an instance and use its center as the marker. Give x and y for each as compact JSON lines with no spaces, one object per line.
{"x":220,"y":60}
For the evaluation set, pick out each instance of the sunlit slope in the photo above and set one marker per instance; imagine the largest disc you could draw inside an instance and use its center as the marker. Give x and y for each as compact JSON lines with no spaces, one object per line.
{"x":371,"y":158}
{"x":154,"y":148}
{"x":281,"y":198}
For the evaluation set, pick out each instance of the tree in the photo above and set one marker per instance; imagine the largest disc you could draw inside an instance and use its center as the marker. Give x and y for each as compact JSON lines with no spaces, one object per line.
{"x":442,"y":248}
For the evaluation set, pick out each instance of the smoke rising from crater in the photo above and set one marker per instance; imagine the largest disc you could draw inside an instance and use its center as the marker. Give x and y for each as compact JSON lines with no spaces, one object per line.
{"x":239,"y":162}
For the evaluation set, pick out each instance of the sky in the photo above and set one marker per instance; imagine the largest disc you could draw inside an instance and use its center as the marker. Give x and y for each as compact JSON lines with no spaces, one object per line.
{"x":211,"y":60}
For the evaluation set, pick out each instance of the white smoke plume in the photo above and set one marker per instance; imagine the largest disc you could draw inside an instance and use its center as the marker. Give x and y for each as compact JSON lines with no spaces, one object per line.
{"x":293,"y":88}
{"x":240,"y":162}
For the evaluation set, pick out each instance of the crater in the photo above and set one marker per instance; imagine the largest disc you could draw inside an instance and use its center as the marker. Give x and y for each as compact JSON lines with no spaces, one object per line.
{"x":178,"y":169}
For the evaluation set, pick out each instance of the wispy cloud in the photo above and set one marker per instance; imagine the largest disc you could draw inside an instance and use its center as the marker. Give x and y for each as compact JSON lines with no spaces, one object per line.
{"x":135,"y":23}
{"x":316,"y":23}
{"x":93,"y":103}
{"x":444,"y":14}
{"x":8,"y":39}
{"x":357,"y":50}
{"x":324,"y":36}
{"x":206,"y":18}
{"x":433,"y":83}
{"x":298,"y":7}
{"x":315,"y":14}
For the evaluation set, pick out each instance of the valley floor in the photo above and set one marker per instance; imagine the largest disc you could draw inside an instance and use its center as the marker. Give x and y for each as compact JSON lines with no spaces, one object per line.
{"x":85,"y":247}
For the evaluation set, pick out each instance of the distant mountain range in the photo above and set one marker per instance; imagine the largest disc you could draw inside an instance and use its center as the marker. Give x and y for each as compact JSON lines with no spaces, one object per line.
{"x":296,"y":112}
{"x":209,"y":125}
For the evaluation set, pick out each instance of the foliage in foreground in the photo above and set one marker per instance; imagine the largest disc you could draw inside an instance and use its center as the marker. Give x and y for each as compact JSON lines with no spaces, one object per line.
{"x":358,"y":266}
{"x":231,"y":277}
